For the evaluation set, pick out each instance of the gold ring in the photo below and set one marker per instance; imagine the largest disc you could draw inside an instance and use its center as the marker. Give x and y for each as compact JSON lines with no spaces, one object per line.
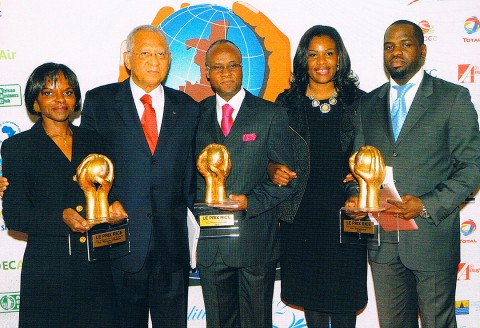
{"x":279,"y":185}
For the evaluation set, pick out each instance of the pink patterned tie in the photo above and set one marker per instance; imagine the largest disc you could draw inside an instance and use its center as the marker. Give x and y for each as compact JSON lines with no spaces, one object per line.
{"x":227,"y":119}
{"x":149,"y":122}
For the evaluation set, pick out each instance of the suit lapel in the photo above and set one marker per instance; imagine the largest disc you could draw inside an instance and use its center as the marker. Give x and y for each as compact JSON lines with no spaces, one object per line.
{"x":214,"y":131}
{"x":244,"y":117}
{"x":418,"y":107}
{"x":382,"y":110}
{"x":125,"y":106}
{"x":169,"y":120}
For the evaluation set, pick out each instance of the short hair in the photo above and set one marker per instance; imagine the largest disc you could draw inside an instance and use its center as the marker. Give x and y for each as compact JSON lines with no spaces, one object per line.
{"x":148,"y":28}
{"x":221,"y":41}
{"x":50,"y":71}
{"x":417,"y":31}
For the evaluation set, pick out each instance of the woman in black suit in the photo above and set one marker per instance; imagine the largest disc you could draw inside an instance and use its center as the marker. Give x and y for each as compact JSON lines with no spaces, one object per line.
{"x":59,"y":286}
{"x":326,"y":278}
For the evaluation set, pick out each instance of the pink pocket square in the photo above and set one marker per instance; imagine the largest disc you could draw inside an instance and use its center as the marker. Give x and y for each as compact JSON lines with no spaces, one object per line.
{"x":249,"y":137}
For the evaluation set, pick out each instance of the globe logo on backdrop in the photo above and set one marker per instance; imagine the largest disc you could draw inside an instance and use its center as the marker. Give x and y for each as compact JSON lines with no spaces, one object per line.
{"x":191,"y":30}
{"x":472,"y":25}
{"x":468,"y":227}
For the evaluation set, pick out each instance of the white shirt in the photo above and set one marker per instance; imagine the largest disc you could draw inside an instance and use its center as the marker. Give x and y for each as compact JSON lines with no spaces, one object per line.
{"x":235,"y":102}
{"x":158,"y":101}
{"x":410,"y":95}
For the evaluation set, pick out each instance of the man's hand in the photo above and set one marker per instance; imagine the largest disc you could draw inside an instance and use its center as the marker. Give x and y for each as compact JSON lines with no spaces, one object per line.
{"x":280,"y":174}
{"x":75,"y":221}
{"x":241,"y":200}
{"x":116,"y":213}
{"x":409,"y":208}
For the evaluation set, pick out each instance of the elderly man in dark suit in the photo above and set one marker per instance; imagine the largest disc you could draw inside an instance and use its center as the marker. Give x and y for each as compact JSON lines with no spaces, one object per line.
{"x":427,"y":130}
{"x":238,"y":273}
{"x":153,"y":179}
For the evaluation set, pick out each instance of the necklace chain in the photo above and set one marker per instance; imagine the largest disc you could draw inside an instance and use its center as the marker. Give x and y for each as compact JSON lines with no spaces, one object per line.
{"x":325,"y":107}
{"x":64,"y":138}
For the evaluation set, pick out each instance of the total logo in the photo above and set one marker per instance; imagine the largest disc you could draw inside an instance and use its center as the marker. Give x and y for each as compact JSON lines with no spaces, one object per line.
{"x":428,"y":31}
{"x":467,"y":73}
{"x":9,"y":302}
{"x":468,"y":227}
{"x":471,"y":26}
{"x":467,"y":271}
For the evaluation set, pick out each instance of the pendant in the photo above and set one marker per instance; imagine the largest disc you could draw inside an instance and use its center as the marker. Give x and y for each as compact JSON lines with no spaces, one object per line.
{"x":325,"y":108}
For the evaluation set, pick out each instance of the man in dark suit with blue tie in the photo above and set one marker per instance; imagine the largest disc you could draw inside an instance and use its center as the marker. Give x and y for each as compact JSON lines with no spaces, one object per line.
{"x":237,"y":274}
{"x":148,"y":130}
{"x":427,"y":130}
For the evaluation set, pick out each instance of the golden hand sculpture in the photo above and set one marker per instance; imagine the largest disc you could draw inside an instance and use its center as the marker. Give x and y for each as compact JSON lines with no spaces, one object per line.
{"x":368,"y":167}
{"x":362,"y":185}
{"x":214,"y":164}
{"x":95,"y":176}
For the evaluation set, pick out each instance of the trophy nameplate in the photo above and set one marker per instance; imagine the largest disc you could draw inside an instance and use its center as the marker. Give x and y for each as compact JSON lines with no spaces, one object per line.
{"x":95,"y":175}
{"x":214,"y":220}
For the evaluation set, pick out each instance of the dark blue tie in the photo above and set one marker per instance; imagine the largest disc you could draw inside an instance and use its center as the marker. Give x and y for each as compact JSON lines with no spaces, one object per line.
{"x":399,"y":108}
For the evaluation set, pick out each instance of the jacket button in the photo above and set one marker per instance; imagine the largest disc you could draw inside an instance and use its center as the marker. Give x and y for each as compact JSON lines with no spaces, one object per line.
{"x":395,"y":154}
{"x":79,"y":208}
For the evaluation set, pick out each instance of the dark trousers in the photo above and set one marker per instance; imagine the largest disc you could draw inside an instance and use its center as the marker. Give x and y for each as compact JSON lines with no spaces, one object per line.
{"x":162,"y":294}
{"x":316,"y":319}
{"x":238,"y":297}
{"x":402,"y":293}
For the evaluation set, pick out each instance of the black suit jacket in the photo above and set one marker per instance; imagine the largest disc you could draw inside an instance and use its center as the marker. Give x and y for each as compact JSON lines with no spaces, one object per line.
{"x":267,"y":124}
{"x":436,"y":158}
{"x":154,"y":190}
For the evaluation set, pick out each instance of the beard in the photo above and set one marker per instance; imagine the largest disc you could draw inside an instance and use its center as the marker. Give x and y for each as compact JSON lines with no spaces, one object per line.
{"x":400,"y":74}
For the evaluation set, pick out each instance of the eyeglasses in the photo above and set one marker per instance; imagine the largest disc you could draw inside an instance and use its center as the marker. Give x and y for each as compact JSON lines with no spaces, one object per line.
{"x":145,"y":54}
{"x":220,"y":68}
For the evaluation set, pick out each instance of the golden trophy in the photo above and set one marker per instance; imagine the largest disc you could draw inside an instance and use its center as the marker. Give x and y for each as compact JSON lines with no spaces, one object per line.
{"x":95,"y":175}
{"x":214,"y":165}
{"x":368,"y":168}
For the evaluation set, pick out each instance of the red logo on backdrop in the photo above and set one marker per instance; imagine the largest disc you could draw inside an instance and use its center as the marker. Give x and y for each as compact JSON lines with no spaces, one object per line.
{"x":467,"y":271}
{"x":466,"y":73}
{"x":425,"y":26}
{"x":428,"y":31}
{"x":463,"y":271}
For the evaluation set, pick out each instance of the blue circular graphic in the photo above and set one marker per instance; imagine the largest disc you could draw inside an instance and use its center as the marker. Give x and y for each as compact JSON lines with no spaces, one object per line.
{"x":191,"y":29}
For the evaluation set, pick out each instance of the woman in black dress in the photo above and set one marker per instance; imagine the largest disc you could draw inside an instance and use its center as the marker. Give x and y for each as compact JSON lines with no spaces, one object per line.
{"x":326,"y":278}
{"x":59,"y":286}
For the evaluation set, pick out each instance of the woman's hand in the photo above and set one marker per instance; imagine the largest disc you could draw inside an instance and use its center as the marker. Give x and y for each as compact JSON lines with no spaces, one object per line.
{"x":75,"y":221}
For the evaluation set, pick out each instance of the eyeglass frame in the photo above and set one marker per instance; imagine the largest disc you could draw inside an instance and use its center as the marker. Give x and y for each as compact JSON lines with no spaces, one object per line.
{"x":147,"y":55}
{"x":221,"y":68}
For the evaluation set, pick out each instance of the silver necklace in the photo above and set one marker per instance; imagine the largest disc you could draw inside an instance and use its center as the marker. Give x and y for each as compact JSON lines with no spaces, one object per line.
{"x":325,"y":107}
